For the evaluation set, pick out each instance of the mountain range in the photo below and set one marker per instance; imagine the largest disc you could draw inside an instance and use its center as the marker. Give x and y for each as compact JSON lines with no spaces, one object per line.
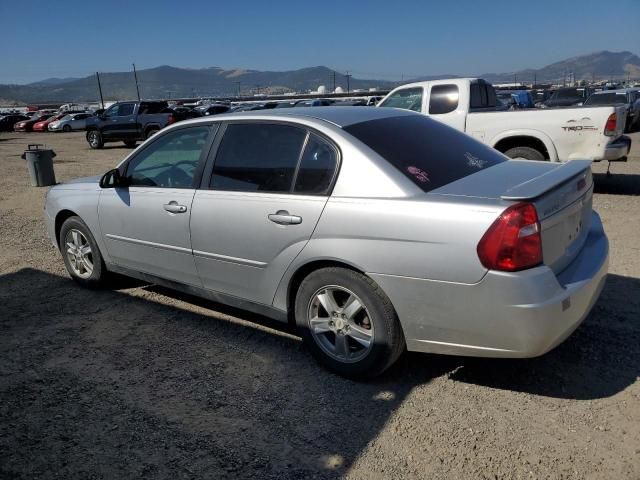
{"x":172,"y":82}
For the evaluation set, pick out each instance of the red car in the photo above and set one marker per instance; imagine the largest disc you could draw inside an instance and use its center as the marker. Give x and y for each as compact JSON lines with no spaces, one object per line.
{"x":42,"y":125}
{"x":27,"y":125}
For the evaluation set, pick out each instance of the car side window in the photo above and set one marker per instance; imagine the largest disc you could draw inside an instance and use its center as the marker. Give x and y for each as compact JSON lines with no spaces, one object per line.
{"x":407,"y":98}
{"x":170,"y":161}
{"x":125,"y":109}
{"x":257,"y":157}
{"x":443,"y":99}
{"x":317,"y":167}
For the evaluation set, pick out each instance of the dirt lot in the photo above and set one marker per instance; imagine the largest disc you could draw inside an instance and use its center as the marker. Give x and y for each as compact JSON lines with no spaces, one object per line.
{"x":140,"y":382}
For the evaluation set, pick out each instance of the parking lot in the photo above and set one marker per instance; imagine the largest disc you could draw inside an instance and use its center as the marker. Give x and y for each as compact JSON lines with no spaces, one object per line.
{"x":140,"y":382}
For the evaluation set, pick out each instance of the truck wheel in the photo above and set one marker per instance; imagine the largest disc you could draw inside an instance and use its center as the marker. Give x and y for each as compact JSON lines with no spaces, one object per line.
{"x":348,"y":323}
{"x":130,"y":143}
{"x":151,"y":132}
{"x":524,"y":153}
{"x":66,"y":128}
{"x":95,"y":139}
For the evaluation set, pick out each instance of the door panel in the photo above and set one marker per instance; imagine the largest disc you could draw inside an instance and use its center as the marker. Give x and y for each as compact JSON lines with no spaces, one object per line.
{"x":238,"y":250}
{"x":141,"y":234}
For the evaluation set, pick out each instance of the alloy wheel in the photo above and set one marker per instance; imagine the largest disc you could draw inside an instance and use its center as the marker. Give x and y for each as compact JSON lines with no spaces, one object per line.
{"x":340,"y":324}
{"x":79,"y":253}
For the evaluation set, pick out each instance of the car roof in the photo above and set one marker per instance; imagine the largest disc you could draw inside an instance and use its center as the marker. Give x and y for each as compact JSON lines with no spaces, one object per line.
{"x":339,"y":116}
{"x":619,"y":90}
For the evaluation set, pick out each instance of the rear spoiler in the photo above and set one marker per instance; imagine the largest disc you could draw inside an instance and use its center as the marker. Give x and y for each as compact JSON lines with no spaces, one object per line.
{"x":547,"y":181}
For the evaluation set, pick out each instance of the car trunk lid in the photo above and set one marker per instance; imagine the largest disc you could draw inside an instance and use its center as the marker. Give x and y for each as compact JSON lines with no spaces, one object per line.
{"x":561,"y":193}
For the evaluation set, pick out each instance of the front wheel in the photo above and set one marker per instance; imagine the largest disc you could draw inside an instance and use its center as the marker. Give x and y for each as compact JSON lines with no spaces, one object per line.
{"x":66,"y":128}
{"x":348,"y":323}
{"x":81,"y":254}
{"x":95,"y":139}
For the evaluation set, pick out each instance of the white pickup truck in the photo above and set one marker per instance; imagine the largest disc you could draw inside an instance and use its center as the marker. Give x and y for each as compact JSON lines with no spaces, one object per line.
{"x":558,"y":135}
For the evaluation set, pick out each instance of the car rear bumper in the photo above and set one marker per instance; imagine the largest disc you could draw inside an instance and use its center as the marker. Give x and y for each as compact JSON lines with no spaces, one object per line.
{"x":618,"y":149}
{"x":521,"y":314}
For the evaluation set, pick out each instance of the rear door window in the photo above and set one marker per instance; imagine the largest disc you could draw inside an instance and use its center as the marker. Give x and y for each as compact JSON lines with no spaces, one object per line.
{"x":258,"y":157}
{"x":317,"y":167}
{"x":443,"y":99}
{"x":407,"y":98}
{"x":426,"y":151}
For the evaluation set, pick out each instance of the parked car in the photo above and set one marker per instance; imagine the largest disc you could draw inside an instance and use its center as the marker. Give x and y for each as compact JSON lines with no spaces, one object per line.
{"x":214,"y":109}
{"x":182,"y":113}
{"x":314,"y":102}
{"x":8,"y":121}
{"x":69,"y":123}
{"x":567,"y":97}
{"x":469,"y":105}
{"x":27,"y":125}
{"x":629,"y":98}
{"x":43,"y":124}
{"x":128,"y":122}
{"x":515,"y":99}
{"x":371,"y":229}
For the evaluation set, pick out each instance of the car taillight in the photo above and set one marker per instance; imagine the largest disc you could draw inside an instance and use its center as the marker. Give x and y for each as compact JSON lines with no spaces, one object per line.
{"x":171,"y":119}
{"x":513,"y":241}
{"x":610,"y":126}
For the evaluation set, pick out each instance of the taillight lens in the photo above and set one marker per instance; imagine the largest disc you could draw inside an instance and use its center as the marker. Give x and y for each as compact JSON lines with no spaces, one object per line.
{"x":610,"y":126}
{"x":171,"y":119}
{"x":513,"y":241}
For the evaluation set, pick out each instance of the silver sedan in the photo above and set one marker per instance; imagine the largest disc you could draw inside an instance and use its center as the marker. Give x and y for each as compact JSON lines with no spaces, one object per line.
{"x":69,"y":123}
{"x":372,"y":230}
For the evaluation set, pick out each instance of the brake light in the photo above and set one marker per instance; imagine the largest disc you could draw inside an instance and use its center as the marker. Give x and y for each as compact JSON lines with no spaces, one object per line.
{"x":610,"y":126}
{"x":171,"y":119}
{"x":513,"y":241}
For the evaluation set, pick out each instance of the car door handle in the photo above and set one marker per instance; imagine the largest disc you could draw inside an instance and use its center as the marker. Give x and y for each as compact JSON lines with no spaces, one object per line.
{"x":282,"y":217}
{"x":173,"y":207}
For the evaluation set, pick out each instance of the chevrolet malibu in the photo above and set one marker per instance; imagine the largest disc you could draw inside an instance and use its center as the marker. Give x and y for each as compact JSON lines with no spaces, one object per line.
{"x":373,"y":230}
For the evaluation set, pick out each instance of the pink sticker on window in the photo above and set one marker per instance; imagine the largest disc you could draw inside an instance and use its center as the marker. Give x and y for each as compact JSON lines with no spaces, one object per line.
{"x":421,"y":175}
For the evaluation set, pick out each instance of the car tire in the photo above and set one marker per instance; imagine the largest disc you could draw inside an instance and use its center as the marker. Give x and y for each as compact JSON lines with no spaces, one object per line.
{"x":524,"y":153}
{"x":66,"y":128}
{"x":95,"y":140}
{"x":351,"y":342}
{"x":151,"y":132}
{"x":130,"y":143}
{"x":81,"y":254}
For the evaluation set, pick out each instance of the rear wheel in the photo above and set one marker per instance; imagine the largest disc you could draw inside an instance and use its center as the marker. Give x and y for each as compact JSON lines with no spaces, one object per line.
{"x":81,"y":254}
{"x":348,"y":323}
{"x":524,"y":153}
{"x":95,"y":139}
{"x":130,"y":143}
{"x":151,"y":132}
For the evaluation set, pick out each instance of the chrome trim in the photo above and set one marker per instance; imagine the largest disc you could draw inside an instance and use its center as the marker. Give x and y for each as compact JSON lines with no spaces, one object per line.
{"x":225,"y":258}
{"x":146,"y":243}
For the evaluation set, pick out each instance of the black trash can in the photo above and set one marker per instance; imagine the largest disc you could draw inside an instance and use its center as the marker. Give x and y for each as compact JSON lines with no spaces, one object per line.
{"x":40,"y":165}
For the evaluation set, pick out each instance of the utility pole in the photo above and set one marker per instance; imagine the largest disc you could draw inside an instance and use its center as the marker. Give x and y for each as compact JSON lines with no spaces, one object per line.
{"x":348,"y":81}
{"x":238,"y":83}
{"x":100,"y":90}
{"x":534,"y":79}
{"x":135,"y":75}
{"x":334,"y":81}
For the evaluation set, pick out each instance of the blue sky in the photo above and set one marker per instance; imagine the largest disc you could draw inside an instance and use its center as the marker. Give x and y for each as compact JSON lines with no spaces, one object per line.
{"x":373,"y":39}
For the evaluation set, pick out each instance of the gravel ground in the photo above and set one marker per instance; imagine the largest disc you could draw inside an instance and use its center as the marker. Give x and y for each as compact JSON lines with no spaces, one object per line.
{"x":141,"y":382}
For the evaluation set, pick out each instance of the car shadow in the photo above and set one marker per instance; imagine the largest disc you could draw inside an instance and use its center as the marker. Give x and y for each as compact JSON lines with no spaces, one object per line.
{"x":138,"y":380}
{"x":617,"y":183}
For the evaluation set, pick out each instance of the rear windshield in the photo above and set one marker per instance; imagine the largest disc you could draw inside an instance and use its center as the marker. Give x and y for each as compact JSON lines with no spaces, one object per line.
{"x":427,"y":152}
{"x":606,"y":99}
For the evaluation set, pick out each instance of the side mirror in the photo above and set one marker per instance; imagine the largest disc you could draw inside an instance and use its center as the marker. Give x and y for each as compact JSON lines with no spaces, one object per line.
{"x":113,"y":179}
